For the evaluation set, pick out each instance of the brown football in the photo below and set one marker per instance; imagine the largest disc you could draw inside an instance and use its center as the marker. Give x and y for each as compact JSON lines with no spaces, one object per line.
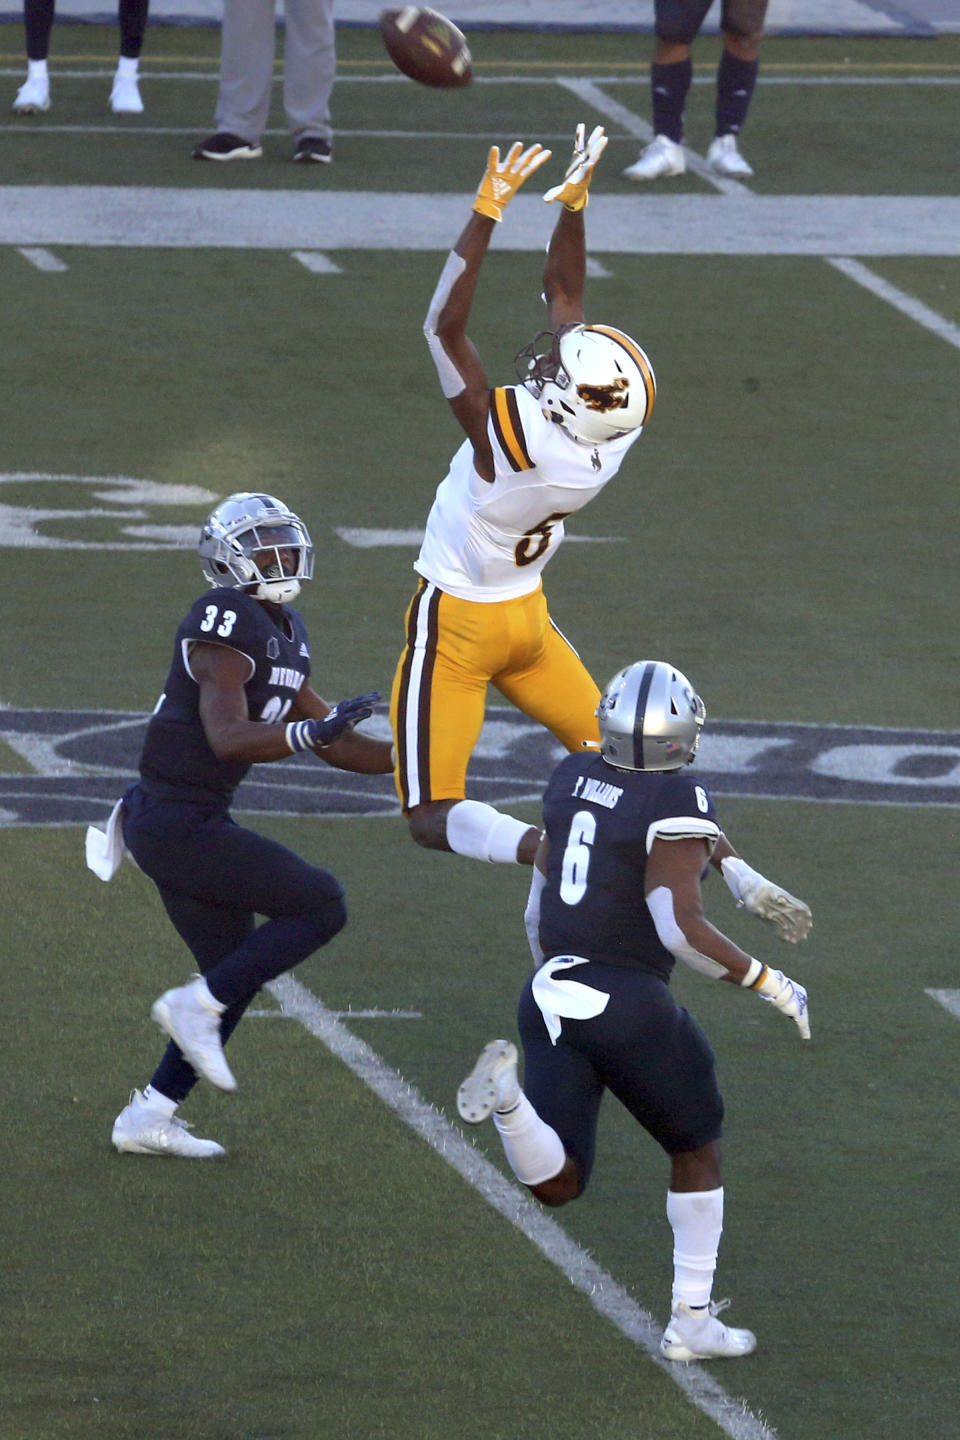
{"x":426,"y":46}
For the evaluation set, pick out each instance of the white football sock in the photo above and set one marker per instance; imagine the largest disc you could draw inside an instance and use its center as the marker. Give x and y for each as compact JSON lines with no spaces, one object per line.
{"x":158,"y":1101}
{"x":36,"y":69}
{"x":481,"y":833}
{"x":207,"y":998}
{"x":697,"y":1220}
{"x":533,"y":1148}
{"x":127,"y":68}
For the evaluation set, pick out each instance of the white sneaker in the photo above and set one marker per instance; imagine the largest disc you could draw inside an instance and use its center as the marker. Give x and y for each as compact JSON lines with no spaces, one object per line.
{"x":662,"y":157}
{"x":492,"y":1083}
{"x":33,"y":97}
{"x":189,"y":1016}
{"x":141,"y":1130}
{"x":724,"y":157}
{"x":125,"y":96}
{"x":699,"y":1335}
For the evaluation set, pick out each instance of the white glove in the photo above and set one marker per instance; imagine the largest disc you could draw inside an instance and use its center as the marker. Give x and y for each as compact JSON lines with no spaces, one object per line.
{"x":576,"y":182}
{"x":787,"y":995}
{"x":771,"y":902}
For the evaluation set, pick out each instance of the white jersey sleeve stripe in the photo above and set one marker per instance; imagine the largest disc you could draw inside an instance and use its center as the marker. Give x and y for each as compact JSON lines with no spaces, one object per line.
{"x":683,"y":827}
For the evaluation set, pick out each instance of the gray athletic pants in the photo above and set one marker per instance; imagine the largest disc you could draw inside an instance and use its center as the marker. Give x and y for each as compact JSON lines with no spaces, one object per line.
{"x":247,"y":52}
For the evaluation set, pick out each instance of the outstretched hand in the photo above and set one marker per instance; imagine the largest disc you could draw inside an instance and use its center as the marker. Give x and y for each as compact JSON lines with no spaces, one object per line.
{"x":317,"y":734}
{"x":572,"y":190}
{"x":762,"y":897}
{"x":787,"y":995}
{"x":503,"y":178}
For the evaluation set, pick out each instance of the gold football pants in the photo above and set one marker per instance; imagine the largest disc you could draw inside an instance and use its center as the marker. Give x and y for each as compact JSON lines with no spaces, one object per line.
{"x":454,"y":649}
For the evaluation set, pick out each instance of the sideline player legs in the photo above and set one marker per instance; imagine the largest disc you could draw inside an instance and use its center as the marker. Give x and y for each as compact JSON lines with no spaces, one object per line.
{"x":238,"y":692}
{"x":245,"y":91}
{"x":33,"y":97}
{"x":677,"y":23}
{"x":615,"y":900}
{"x":535,"y":453}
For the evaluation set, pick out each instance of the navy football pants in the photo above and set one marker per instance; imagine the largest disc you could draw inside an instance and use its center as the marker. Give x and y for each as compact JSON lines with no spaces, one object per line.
{"x":645,"y":1049}
{"x":214,"y":877}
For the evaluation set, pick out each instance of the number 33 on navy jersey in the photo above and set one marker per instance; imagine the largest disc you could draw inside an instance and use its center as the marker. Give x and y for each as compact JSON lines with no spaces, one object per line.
{"x":275,"y":645}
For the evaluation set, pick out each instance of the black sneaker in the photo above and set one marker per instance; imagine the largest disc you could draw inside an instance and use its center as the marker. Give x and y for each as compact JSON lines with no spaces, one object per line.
{"x":314,"y":147}
{"x":224,"y":146}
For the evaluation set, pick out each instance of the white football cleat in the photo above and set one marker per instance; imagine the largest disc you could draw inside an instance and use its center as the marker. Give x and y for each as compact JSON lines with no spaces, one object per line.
{"x":492,"y":1083}
{"x":724,"y":158}
{"x":141,"y":1130}
{"x":662,"y":158}
{"x":125,"y":96}
{"x":190,"y":1016}
{"x":697,"y":1334}
{"x":33,"y":97}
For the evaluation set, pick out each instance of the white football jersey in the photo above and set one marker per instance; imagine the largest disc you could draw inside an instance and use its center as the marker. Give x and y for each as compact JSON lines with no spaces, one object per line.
{"x":489,"y":540}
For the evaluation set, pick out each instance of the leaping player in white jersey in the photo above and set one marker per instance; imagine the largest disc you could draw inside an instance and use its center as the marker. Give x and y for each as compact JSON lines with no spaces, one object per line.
{"x":535,"y":453}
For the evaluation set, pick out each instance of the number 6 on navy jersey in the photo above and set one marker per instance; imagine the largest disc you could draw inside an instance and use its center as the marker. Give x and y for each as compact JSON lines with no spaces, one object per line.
{"x":576,"y":857}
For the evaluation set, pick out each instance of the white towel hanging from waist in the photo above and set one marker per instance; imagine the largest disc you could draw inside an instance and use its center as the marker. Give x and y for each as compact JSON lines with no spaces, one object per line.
{"x":568,"y":999}
{"x":105,"y":849}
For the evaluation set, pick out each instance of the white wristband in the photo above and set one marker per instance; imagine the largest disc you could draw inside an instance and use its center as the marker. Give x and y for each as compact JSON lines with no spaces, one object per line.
{"x":755,"y":972}
{"x":295,"y":738}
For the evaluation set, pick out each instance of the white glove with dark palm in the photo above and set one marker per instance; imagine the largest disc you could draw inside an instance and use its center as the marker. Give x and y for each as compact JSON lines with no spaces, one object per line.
{"x":771,"y":902}
{"x":572,"y":190}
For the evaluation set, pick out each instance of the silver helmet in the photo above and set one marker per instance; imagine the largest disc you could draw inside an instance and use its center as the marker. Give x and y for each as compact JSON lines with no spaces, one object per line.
{"x":650,"y":718}
{"x":252,"y":541}
{"x":594,"y":381}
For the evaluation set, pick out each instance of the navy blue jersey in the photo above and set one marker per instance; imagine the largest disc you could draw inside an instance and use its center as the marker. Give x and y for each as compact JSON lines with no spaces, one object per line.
{"x":598,"y":820}
{"x":177,"y":761}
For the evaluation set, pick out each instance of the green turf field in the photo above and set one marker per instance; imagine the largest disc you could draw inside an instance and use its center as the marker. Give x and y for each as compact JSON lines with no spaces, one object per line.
{"x":785,"y":532}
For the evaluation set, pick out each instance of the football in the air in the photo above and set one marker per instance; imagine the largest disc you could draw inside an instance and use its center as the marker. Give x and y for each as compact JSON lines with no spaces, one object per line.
{"x":426,"y":46}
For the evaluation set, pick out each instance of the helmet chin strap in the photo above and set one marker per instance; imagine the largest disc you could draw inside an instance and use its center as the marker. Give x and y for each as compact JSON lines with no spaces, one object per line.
{"x":578,"y":439}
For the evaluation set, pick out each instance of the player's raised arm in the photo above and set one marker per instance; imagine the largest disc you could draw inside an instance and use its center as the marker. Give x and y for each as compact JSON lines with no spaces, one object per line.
{"x":463,"y":378}
{"x":565,"y":271}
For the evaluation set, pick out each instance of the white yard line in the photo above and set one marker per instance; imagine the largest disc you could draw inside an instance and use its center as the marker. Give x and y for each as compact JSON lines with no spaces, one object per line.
{"x":42,"y":259}
{"x":316,"y":263}
{"x":907,"y":304}
{"x":150,"y":75}
{"x":338,"y":1015}
{"x":604,"y":1293}
{"x":949,"y":999}
{"x":367,"y":539}
{"x":46,"y":127}
{"x":633,"y":17}
{"x":330,"y":220}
